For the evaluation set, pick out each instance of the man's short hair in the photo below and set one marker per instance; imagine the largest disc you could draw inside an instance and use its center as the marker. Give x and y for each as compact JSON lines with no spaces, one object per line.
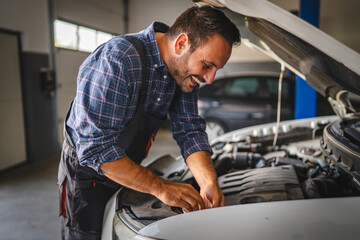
{"x":201,"y":23}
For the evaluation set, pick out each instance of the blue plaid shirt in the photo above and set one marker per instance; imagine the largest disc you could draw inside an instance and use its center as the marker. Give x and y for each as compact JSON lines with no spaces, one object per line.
{"x":108,"y":88}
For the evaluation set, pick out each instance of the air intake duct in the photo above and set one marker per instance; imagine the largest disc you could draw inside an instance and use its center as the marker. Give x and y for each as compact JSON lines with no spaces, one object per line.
{"x":239,"y":160}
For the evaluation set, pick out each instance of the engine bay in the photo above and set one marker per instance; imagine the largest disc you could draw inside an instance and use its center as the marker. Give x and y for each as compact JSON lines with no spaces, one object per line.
{"x":311,"y":159}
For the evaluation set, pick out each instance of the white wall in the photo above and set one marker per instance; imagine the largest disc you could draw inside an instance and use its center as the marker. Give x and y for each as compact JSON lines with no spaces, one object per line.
{"x":341,"y":20}
{"x":31,"y":19}
{"x":105,"y":15}
{"x":142,"y":13}
{"x":286,"y":4}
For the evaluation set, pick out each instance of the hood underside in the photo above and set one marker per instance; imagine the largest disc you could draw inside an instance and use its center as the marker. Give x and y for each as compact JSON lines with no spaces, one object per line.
{"x":326,"y":64}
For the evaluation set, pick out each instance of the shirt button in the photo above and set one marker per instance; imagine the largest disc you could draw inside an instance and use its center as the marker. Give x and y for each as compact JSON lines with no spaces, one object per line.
{"x":158,"y":99}
{"x":155,"y":65}
{"x":165,"y":76}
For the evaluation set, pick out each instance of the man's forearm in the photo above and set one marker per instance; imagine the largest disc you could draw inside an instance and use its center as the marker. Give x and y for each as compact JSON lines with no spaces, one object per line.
{"x":201,"y":166}
{"x":129,"y":174}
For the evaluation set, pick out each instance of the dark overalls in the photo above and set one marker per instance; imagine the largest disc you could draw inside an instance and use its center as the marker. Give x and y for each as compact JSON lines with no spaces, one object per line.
{"x":83,"y":192}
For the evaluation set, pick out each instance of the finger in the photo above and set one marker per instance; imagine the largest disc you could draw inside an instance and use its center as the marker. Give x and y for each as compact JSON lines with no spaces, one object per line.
{"x":191,"y":203}
{"x":207,"y":203}
{"x":216,"y":202}
{"x":186,"y":207}
{"x":195,"y":203}
{"x":205,"y":200}
{"x":216,"y":199}
{"x":222,"y":201}
{"x":201,"y":203}
{"x":200,"y":207}
{"x":195,"y":199}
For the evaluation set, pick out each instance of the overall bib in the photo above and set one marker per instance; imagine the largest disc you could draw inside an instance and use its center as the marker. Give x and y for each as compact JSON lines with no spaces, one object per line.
{"x":83,"y":192}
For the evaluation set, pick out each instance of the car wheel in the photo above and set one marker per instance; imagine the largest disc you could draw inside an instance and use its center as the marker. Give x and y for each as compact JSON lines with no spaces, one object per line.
{"x":214,"y":129}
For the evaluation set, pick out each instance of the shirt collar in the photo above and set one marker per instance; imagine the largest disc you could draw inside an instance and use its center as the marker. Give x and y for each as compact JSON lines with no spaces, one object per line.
{"x":154,"y":48}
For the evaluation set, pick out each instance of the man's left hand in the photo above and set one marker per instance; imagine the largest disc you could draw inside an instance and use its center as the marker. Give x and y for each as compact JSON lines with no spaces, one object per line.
{"x":202,"y":168}
{"x":212,"y":195}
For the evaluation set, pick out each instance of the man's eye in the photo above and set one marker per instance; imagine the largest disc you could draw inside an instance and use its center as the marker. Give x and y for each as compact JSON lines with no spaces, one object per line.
{"x":206,"y":66}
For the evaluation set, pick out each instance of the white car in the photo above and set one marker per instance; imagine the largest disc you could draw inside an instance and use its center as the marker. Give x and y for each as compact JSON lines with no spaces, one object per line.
{"x":298,"y":179}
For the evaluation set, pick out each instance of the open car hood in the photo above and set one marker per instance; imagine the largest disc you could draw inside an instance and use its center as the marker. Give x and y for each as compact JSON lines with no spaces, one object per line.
{"x":327,"y":65}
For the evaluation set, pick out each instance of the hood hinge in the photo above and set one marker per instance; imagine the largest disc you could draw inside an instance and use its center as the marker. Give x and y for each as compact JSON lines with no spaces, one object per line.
{"x":341,"y":104}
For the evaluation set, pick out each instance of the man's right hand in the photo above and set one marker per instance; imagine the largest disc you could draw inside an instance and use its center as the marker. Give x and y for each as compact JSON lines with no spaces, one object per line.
{"x":180,"y":195}
{"x":129,"y":174}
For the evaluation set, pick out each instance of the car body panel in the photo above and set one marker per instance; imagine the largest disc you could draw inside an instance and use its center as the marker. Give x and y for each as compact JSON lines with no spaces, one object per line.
{"x":300,"y":219}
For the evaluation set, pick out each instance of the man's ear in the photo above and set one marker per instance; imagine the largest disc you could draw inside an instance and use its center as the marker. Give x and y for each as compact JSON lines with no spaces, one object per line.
{"x":182,"y":44}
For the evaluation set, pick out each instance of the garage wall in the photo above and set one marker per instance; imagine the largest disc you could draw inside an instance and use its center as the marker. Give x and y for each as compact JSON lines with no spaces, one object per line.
{"x":31,"y":19}
{"x":105,"y":15}
{"x":339,"y":19}
{"x":142,"y":13}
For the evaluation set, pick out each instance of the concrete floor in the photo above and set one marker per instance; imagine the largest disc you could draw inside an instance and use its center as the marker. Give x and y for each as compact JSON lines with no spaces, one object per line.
{"x":29,"y":196}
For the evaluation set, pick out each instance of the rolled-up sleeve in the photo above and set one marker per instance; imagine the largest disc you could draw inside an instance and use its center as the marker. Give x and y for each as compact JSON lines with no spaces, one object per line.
{"x":103,"y":105}
{"x":188,"y":127}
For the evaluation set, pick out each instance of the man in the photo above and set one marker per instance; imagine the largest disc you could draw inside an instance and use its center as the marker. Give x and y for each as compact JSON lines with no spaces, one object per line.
{"x":116,"y":113}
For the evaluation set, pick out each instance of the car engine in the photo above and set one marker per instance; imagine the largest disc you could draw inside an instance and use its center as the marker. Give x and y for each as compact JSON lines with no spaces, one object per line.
{"x":316,"y":158}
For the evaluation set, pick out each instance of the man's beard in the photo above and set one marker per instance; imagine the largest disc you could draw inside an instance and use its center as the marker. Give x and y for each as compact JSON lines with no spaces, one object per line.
{"x":179,"y":71}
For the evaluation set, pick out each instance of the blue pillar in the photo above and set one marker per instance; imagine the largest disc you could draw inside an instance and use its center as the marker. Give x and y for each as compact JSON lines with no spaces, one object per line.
{"x":305,"y":95}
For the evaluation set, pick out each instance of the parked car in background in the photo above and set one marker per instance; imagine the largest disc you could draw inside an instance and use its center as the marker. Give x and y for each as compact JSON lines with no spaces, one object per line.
{"x":246,"y":94}
{"x":243,"y":100}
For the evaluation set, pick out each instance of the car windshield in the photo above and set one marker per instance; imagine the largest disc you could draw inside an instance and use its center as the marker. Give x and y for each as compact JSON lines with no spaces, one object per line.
{"x":255,"y":87}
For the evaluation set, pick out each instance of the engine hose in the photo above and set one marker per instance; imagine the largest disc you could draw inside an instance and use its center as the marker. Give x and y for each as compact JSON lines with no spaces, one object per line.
{"x":240,"y":160}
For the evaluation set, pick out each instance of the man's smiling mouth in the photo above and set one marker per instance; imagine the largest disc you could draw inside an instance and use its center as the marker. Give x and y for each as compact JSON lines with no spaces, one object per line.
{"x":195,"y":79}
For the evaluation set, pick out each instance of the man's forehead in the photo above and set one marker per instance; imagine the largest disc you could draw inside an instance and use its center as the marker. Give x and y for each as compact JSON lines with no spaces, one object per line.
{"x":216,"y":51}
{"x":217,"y":60}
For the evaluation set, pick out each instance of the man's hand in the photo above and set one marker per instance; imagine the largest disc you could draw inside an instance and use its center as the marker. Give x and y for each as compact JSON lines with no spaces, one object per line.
{"x":129,"y":174}
{"x":201,"y":167}
{"x":212,"y":195}
{"x":180,"y":195}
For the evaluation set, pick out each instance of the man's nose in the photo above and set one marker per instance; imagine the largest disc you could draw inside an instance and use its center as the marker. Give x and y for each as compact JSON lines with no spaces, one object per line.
{"x":210,"y":75}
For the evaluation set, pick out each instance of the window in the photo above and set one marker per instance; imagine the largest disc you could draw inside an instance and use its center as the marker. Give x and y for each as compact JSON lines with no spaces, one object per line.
{"x":273,"y":87}
{"x":102,"y":37}
{"x":242,"y":87}
{"x":65,"y":35}
{"x":87,"y":39}
{"x":76,"y":37}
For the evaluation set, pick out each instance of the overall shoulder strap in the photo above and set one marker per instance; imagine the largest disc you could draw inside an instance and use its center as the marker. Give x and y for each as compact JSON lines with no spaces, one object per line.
{"x":140,"y":48}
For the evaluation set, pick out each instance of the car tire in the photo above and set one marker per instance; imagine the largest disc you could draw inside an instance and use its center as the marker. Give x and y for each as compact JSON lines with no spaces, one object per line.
{"x":214,"y":129}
